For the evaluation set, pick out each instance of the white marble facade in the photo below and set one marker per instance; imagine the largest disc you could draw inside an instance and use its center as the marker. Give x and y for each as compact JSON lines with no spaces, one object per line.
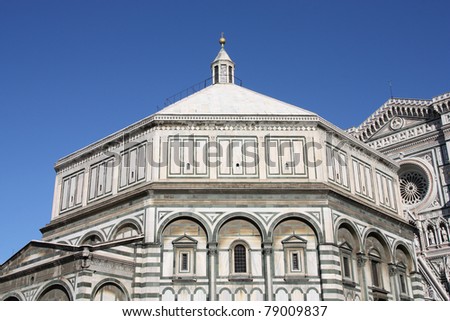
{"x":226,"y":194}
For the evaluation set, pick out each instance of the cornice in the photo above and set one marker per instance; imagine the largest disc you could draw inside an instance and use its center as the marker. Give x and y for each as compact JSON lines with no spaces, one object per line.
{"x":354,"y":142}
{"x":185,"y":122}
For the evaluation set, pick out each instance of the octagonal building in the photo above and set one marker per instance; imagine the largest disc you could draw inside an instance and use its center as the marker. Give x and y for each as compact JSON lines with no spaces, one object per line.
{"x":226,"y":194}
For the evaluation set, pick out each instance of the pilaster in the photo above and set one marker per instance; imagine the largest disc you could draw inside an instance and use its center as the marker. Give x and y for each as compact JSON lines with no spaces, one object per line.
{"x":212,"y":270}
{"x":417,"y":286}
{"x":394,"y":281}
{"x":330,"y":271}
{"x":267,"y":268}
{"x":361,"y":260}
{"x":147,"y":274}
{"x":83,"y":285}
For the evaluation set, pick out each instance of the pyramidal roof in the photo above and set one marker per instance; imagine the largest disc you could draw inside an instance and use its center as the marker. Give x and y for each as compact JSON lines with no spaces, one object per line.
{"x":222,"y":55}
{"x":231,"y":99}
{"x":225,"y":98}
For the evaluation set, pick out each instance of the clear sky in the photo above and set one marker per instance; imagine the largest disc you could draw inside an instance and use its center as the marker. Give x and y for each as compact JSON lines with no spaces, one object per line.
{"x":72,"y":72}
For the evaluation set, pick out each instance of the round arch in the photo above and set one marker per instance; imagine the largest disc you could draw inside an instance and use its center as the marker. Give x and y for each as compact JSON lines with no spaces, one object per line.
{"x":111,"y":281}
{"x":168,"y":289}
{"x":400,"y":245}
{"x":240,"y":215}
{"x":124,"y":223}
{"x":299,"y":216}
{"x":184,"y":288}
{"x":380,"y":237}
{"x":57,"y":285}
{"x":343,"y":222}
{"x":183,"y":215}
{"x":91,"y":234}
{"x":13,"y":297}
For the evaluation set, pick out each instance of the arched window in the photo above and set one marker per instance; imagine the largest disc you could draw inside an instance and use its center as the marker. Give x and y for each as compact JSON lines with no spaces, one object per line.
{"x":11,"y":298}
{"x":240,"y":268}
{"x":378,"y":271}
{"x":404,"y":265}
{"x":348,"y":247}
{"x":240,"y":259}
{"x":235,"y":237}
{"x":110,"y":292}
{"x":346,"y":261}
{"x":375,"y":268}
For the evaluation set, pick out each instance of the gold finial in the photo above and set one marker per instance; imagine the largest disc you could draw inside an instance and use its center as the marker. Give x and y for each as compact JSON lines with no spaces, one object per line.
{"x":222,"y":40}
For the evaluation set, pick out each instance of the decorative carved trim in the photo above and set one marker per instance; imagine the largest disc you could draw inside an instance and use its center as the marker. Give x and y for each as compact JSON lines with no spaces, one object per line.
{"x":111,"y":265}
{"x":393,"y":107}
{"x":361,"y":259}
{"x":405,"y":135}
{"x":392,"y":269}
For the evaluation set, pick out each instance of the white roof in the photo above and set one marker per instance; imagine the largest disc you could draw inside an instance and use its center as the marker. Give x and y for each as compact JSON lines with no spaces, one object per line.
{"x":230,"y":99}
{"x":222,"y":55}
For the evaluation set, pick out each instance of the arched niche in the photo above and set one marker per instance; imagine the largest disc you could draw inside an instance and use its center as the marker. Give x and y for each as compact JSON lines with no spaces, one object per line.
{"x":110,"y":292}
{"x":126,"y":230}
{"x":295,"y":249}
{"x":54,"y":293}
{"x":184,"y":256}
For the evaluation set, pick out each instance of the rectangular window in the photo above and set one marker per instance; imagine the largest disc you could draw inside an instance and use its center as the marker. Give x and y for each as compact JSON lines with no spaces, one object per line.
{"x":294,"y":258}
{"x":100,"y":179}
{"x":184,"y":262}
{"x":375,"y":274}
{"x":286,"y":156}
{"x":223,"y":73}
{"x":337,"y":166}
{"x":386,"y":190}
{"x":295,"y":261}
{"x":132,"y":167}
{"x":237,"y":156}
{"x":362,"y":174}
{"x":188,"y":156}
{"x":403,"y":283}
{"x":216,"y":74}
{"x":72,"y":191}
{"x":347,"y":268}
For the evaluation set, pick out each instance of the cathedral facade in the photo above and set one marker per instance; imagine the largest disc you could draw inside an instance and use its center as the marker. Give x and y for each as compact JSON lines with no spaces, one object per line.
{"x":416,"y":134}
{"x":229,"y":194}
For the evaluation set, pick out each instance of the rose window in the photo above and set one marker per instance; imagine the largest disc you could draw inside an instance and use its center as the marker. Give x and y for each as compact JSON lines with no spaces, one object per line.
{"x":413,"y":187}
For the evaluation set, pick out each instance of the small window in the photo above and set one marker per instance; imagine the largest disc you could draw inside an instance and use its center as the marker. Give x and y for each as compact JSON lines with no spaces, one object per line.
{"x":346,"y":261}
{"x":295,"y":259}
{"x":216,"y":74}
{"x":346,"y":266}
{"x":184,"y":265}
{"x":294,"y":248}
{"x":403,"y":283}
{"x":375,"y":266}
{"x":240,"y":259}
{"x":230,"y":74}
{"x":184,"y":262}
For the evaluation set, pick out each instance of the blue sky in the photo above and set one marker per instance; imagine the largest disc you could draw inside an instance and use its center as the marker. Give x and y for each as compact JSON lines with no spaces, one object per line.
{"x":72,"y":72}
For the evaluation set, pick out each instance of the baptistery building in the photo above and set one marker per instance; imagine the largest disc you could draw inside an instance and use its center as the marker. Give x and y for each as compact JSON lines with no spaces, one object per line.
{"x":228,"y":194}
